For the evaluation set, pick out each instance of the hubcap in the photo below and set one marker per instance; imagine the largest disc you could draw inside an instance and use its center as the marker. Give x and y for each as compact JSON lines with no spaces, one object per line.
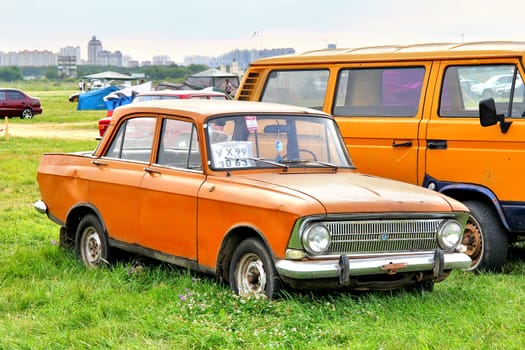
{"x":92,"y":247}
{"x":251,"y":278}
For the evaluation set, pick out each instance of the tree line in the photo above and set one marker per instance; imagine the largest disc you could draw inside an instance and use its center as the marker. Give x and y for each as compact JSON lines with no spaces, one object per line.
{"x":173,"y":73}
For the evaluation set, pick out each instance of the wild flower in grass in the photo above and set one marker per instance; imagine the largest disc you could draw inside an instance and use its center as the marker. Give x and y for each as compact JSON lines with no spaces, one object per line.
{"x":135,"y":268}
{"x":184,"y":297}
{"x":54,"y":242}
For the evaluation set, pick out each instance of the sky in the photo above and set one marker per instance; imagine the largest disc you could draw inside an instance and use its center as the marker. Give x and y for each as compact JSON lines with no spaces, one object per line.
{"x":145,"y":28}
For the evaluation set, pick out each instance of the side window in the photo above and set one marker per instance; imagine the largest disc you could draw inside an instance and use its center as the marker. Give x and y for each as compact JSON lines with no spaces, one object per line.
{"x":133,"y":140}
{"x":464,"y":86}
{"x":3,"y":97}
{"x":14,"y":95}
{"x":379,"y":92}
{"x":179,"y":145}
{"x":306,"y":88}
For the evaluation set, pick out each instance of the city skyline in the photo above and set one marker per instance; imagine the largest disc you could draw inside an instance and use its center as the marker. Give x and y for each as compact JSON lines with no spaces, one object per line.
{"x":210,"y":28}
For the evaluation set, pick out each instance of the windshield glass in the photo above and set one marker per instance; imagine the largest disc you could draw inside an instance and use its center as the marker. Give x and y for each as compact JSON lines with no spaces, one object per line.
{"x":269,"y":141}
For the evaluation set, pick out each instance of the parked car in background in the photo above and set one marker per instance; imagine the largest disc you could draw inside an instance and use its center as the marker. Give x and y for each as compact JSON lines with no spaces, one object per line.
{"x":16,"y":103}
{"x":261,"y":195}
{"x":167,"y":95}
{"x":490,"y":87}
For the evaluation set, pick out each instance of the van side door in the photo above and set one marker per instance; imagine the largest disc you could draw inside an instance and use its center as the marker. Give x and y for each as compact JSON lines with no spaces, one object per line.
{"x":379,"y":109}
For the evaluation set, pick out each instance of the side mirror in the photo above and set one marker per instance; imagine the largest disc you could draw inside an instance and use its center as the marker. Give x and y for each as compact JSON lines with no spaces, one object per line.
{"x":488,"y":115}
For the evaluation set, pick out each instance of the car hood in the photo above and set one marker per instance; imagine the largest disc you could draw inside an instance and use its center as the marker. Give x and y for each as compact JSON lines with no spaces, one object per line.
{"x":344,"y":192}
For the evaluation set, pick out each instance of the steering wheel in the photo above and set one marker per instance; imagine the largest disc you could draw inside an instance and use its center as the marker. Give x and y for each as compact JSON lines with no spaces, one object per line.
{"x":312,"y":154}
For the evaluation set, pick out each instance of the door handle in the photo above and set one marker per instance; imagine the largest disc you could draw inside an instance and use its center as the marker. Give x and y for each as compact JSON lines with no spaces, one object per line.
{"x":98,"y":163}
{"x":402,"y":144}
{"x":437,"y":144}
{"x":151,"y":171}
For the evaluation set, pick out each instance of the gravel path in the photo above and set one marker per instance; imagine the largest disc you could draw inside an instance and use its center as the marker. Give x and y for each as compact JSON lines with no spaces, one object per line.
{"x":78,"y":131}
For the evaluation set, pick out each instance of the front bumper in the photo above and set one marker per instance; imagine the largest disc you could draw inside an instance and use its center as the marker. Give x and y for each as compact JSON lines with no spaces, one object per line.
{"x":347,"y":266}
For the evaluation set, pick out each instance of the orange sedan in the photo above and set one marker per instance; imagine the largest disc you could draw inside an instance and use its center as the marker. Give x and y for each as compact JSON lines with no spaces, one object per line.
{"x":262,"y":195}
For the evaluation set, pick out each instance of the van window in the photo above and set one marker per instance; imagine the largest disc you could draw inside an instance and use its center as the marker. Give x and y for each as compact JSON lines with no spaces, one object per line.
{"x":464,"y":86}
{"x":306,"y":88}
{"x":383,"y":92}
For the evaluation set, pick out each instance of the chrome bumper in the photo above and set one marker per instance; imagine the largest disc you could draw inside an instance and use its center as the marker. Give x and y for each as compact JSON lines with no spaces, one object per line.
{"x":348,"y":266}
{"x":40,"y":206}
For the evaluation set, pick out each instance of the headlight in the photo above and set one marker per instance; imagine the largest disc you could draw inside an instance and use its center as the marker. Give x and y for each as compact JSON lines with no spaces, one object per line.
{"x":450,"y":234}
{"x":316,"y":239}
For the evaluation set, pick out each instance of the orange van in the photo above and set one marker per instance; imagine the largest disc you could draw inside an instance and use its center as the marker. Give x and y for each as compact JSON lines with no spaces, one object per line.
{"x":412,"y":113}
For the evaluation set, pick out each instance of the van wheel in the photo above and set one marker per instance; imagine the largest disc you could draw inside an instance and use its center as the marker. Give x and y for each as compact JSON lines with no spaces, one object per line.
{"x":252,"y":271}
{"x":91,"y":242}
{"x":485,"y":238}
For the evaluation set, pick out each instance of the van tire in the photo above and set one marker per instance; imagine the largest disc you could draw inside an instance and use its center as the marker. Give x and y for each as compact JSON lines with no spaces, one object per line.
{"x":485,"y":238}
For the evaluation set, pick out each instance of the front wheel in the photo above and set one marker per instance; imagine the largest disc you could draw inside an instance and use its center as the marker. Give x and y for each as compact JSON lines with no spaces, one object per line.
{"x":252,"y":271}
{"x":91,"y":242}
{"x":27,"y":113}
{"x":485,"y":238}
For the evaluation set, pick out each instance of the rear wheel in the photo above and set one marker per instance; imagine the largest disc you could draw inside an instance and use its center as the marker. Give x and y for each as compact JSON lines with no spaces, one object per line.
{"x":485,"y":238}
{"x":91,"y":242}
{"x":252,"y":271}
{"x":27,"y":114}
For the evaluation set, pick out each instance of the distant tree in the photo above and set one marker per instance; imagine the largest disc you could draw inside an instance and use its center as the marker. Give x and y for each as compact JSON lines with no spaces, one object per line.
{"x":11,"y":73}
{"x":52,"y":73}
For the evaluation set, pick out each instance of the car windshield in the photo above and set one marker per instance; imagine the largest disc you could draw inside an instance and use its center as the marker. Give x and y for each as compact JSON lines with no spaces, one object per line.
{"x":269,"y":141}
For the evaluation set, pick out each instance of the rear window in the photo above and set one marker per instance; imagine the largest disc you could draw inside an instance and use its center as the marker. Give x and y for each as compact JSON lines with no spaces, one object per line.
{"x":385,"y":92}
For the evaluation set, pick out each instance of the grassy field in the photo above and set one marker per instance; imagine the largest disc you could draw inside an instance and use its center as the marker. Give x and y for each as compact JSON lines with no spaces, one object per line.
{"x":48,"y":300}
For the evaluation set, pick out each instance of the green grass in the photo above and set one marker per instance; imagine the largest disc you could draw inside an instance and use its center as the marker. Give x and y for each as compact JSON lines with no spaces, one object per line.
{"x":48,"y":300}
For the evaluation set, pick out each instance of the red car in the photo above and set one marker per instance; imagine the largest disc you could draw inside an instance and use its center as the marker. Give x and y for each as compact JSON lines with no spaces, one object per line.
{"x":16,"y":103}
{"x":167,"y":95}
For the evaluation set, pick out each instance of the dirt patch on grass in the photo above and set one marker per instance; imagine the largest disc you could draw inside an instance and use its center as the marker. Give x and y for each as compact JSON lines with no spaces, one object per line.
{"x":77,"y":131}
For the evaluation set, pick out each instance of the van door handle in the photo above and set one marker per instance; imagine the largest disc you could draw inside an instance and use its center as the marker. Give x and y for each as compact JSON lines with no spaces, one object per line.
{"x":437,"y":144}
{"x":402,"y":144}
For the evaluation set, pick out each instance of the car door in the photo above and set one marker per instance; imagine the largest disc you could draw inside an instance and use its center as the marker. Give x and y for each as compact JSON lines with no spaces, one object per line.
{"x":116,"y":177}
{"x":9,"y":103}
{"x":379,"y":110}
{"x":460,"y":150}
{"x":168,"y":197}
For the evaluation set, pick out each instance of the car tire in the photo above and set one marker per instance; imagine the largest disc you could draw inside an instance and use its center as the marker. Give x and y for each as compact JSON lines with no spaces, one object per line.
{"x":485,"y":238}
{"x":252,"y":271}
{"x":91,"y":242}
{"x":27,"y":114}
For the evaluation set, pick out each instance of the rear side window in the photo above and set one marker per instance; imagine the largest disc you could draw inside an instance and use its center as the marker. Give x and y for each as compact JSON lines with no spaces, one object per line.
{"x":379,"y":92}
{"x":133,"y":140}
{"x":464,"y":86}
{"x":306,"y":88}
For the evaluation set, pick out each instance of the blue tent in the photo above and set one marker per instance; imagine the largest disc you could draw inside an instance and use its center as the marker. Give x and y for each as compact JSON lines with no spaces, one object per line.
{"x":94,"y":99}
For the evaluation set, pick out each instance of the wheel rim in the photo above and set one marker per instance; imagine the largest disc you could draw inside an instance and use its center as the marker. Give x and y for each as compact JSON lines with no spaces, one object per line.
{"x":91,"y":246}
{"x":27,"y":114}
{"x":473,"y":240}
{"x":251,"y":277}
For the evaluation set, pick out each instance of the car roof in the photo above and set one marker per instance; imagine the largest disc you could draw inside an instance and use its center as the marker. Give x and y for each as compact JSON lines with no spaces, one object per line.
{"x":181,"y":93}
{"x":401,"y":52}
{"x":199,"y":110}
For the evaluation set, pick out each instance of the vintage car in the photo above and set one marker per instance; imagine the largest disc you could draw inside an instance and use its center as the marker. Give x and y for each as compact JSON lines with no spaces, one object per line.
{"x":261,"y":195}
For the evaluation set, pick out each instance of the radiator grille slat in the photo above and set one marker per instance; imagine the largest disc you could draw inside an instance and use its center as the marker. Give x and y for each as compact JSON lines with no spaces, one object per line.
{"x":376,"y":236}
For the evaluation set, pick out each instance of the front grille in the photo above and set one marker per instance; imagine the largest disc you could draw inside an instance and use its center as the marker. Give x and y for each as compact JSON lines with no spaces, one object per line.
{"x":381,"y":236}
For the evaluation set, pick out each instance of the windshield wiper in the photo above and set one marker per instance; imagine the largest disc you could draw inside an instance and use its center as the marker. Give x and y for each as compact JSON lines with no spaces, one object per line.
{"x":267,"y":161}
{"x":305,"y":161}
